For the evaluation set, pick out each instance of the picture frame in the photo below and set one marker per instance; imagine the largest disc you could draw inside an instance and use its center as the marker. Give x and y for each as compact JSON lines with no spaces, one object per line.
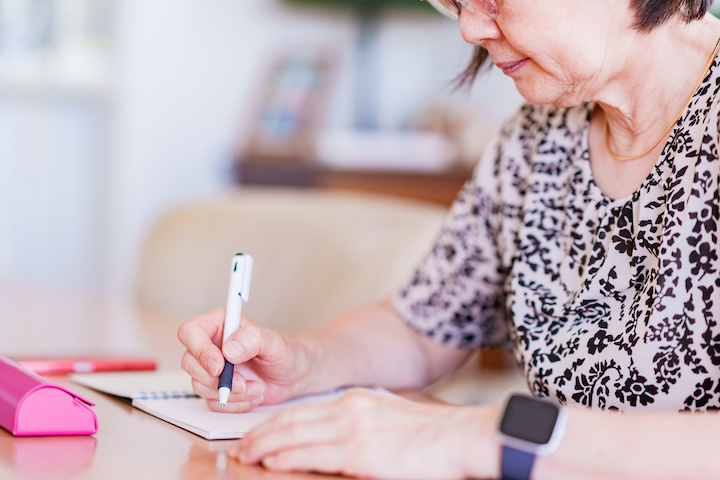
{"x":292,"y":104}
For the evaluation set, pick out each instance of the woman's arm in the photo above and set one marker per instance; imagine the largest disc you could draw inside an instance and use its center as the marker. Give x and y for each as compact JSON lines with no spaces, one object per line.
{"x":368,"y":346}
{"x":652,"y":445}
{"x":364,"y":435}
{"x":374,"y":346}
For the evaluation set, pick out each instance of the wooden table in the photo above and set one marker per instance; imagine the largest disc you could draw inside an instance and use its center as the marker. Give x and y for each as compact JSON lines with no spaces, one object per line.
{"x":130,"y":444}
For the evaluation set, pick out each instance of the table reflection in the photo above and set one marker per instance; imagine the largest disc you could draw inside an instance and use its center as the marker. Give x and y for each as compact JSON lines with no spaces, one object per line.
{"x":47,"y":458}
{"x":209,"y":460}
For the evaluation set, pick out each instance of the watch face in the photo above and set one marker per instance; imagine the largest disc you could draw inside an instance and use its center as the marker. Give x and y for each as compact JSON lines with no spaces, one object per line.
{"x":529,"y":419}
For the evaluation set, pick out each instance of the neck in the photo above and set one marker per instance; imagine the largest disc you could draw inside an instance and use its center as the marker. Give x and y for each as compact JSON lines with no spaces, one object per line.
{"x":659,"y":72}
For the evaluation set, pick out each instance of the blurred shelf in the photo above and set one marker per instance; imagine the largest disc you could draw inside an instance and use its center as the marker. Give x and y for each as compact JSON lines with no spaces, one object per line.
{"x":76,"y":74}
{"x":439,"y":187}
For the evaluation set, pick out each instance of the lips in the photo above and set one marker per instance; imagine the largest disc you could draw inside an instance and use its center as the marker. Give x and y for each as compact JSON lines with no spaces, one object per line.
{"x":509,"y":68}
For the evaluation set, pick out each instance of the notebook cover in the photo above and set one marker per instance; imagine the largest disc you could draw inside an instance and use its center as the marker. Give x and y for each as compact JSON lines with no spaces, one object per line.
{"x":33,"y":406}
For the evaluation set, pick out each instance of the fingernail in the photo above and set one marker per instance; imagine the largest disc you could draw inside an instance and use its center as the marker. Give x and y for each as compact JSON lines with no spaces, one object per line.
{"x":240,"y":386}
{"x":233,"y":350}
{"x":256,"y":401}
{"x":238,"y":453}
{"x":234,"y":452}
{"x":212,"y":367}
{"x":255,"y":390}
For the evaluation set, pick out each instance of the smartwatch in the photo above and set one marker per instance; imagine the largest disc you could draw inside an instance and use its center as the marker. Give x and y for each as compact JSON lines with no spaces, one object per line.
{"x":529,"y":427}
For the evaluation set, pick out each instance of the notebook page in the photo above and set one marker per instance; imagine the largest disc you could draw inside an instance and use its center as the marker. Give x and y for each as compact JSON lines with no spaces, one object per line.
{"x":165,"y":384}
{"x":193,"y":415}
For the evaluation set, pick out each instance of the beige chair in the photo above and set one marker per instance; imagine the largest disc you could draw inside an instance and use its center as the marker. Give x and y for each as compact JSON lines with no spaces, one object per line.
{"x":317,"y":253}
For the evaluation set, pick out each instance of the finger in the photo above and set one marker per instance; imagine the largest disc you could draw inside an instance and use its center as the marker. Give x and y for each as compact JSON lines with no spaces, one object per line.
{"x":201,"y":335}
{"x":347,"y":407}
{"x":240,"y":403}
{"x":251,"y":341}
{"x":234,"y":407}
{"x":198,"y":373}
{"x":326,"y":459}
{"x":238,"y":392}
{"x":286,"y":431}
{"x":242,"y":390}
{"x":290,"y":416}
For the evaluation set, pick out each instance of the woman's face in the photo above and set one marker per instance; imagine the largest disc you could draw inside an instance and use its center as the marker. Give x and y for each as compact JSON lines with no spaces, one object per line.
{"x":556,"y":51}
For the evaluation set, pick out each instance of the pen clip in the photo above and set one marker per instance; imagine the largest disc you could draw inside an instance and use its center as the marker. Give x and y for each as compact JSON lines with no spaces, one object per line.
{"x":242,"y":275}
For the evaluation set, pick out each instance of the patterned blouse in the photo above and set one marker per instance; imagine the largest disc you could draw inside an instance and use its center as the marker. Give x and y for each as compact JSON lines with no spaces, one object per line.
{"x":609,"y":303}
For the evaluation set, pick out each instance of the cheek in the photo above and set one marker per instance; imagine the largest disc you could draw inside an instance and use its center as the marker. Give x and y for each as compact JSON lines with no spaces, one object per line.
{"x":566,"y":49}
{"x":566,"y":66}
{"x":551,"y":83}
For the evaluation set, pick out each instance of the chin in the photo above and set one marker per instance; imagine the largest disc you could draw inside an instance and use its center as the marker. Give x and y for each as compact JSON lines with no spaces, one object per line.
{"x":546,"y":96}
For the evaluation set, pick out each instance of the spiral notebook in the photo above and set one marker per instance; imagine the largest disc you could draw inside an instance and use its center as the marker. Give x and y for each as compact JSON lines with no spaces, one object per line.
{"x":139,"y":385}
{"x":169,"y":396}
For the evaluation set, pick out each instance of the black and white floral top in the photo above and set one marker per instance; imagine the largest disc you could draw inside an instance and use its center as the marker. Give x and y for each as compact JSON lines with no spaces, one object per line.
{"x":606,"y":303}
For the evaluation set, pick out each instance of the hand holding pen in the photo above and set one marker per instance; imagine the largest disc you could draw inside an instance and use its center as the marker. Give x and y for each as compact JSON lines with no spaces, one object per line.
{"x":238,"y":291}
{"x":270,"y":366}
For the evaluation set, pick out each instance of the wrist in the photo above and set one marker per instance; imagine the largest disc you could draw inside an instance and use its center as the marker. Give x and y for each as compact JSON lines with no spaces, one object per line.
{"x":317,"y":371}
{"x":334,"y":359}
{"x":530,"y":427}
{"x":307,"y":365}
{"x":481,"y":448}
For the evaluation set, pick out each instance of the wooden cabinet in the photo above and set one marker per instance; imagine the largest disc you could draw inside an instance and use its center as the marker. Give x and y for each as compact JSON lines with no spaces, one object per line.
{"x":439,"y":187}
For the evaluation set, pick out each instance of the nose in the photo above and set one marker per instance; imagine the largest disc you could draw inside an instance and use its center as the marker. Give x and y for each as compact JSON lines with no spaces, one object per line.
{"x":476,"y":27}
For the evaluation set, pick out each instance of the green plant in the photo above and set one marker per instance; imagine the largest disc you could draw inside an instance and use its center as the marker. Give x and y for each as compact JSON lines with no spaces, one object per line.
{"x":417,"y":5}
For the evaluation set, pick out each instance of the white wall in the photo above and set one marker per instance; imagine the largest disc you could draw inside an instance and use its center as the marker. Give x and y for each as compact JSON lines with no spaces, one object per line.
{"x":50,"y":186}
{"x":184,"y":73}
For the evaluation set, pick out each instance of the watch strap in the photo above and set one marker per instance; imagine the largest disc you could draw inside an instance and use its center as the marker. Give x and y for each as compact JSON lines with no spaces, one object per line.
{"x":516,"y":464}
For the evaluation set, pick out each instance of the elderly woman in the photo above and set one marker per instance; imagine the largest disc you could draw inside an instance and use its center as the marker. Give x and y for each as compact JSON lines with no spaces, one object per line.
{"x":586,"y":239}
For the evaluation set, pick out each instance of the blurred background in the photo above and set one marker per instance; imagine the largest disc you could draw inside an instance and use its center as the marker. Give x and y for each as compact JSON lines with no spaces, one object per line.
{"x":143,"y":142}
{"x":113,"y":112}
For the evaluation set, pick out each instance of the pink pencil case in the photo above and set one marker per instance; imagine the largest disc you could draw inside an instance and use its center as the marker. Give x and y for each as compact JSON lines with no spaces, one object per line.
{"x":33,"y":406}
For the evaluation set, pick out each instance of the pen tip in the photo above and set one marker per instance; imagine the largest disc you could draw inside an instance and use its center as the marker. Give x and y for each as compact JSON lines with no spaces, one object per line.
{"x":222,"y":405}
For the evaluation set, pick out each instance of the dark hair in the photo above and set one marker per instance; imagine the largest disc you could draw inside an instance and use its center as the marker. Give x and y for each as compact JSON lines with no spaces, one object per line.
{"x":649,"y":14}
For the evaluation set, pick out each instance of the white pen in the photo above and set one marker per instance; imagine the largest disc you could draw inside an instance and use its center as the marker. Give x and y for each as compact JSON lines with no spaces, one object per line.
{"x":238,"y":291}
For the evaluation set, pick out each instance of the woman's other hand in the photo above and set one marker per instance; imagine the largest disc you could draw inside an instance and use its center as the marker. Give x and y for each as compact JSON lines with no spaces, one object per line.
{"x":376,"y":436}
{"x":268,"y":363}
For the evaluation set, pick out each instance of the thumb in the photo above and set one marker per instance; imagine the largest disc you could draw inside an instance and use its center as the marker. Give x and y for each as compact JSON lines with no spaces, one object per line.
{"x":251,"y":341}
